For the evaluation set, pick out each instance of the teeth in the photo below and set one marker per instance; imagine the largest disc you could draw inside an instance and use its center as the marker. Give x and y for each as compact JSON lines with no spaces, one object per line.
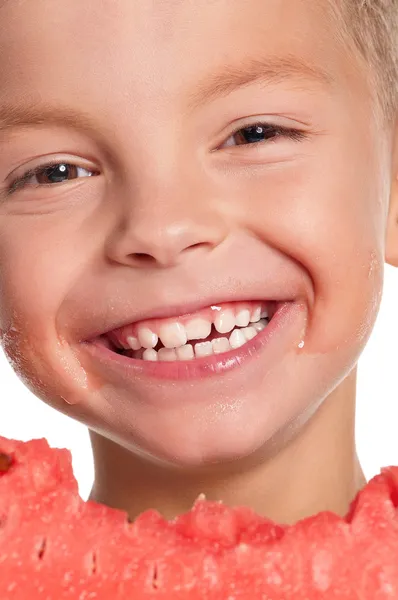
{"x":133,"y":343}
{"x":198,"y":329}
{"x":225,"y":321}
{"x":256,"y":315}
{"x":259,"y":326}
{"x":167,"y":354}
{"x":237,"y":339}
{"x":243,"y":318}
{"x":147,"y":338}
{"x":249,"y":333}
{"x":185,"y":352}
{"x":150,"y":354}
{"x":221,"y":345}
{"x":203,"y":349}
{"x":173,"y":335}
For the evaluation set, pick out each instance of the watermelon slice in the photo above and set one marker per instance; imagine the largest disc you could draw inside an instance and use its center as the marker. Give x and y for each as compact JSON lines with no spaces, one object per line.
{"x":55,"y":546}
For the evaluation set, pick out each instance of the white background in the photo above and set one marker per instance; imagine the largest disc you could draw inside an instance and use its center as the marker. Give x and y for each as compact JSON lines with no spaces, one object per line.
{"x":23,"y":416}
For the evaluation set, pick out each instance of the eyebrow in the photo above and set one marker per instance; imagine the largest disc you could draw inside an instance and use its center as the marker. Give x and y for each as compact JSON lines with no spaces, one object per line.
{"x":25,"y":115}
{"x":266,"y":70}
{"x":269,"y":70}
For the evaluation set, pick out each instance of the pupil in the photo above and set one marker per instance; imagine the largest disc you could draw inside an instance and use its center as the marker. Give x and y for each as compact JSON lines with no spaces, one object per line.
{"x":254,"y":134}
{"x":57,"y":173}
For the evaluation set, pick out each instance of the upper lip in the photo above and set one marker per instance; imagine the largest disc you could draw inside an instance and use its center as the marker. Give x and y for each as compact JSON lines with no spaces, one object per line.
{"x":176,"y":310}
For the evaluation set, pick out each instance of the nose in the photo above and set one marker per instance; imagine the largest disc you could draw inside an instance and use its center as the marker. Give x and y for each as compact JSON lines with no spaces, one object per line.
{"x":165,"y":228}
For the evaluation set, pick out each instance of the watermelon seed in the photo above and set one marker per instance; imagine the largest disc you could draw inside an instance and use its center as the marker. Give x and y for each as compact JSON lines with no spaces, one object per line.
{"x":94,"y":563}
{"x":5,"y":462}
{"x":155,"y":582}
{"x":42,"y":549}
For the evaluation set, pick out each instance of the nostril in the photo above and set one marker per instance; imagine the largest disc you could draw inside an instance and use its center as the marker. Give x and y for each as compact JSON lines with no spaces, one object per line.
{"x":143,"y":257}
{"x":164,"y":256}
{"x":198,"y":246}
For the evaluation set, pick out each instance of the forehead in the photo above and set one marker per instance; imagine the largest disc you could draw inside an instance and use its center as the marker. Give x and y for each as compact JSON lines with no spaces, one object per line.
{"x":141,"y":50}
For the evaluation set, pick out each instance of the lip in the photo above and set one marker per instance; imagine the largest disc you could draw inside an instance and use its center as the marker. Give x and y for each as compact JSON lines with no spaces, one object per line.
{"x":199,"y":368}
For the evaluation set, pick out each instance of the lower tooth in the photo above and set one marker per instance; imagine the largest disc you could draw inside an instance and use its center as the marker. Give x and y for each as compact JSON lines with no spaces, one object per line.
{"x":203,"y":349}
{"x":249,"y":333}
{"x":150,"y":354}
{"x":185,"y":352}
{"x":259,"y":326}
{"x":167,"y":354}
{"x":221,"y":345}
{"x":237,"y":339}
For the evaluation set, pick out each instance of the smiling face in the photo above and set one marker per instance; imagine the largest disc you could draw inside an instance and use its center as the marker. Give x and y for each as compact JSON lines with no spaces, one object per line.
{"x":207,"y":155}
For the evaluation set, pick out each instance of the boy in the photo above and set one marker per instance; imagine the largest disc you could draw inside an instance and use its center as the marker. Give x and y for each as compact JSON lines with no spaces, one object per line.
{"x":197,"y":199}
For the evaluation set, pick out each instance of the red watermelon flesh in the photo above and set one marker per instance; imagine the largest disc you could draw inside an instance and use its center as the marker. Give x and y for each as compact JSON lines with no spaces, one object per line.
{"x":55,"y":546}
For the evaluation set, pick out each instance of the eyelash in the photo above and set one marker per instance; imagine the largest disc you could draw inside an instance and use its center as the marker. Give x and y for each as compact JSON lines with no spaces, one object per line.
{"x":20,"y":182}
{"x":276,"y":130}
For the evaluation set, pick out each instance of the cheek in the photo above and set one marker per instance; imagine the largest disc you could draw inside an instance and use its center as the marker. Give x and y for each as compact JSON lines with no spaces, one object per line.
{"x":326,"y":215}
{"x":41,"y":258}
{"x":33,"y":278}
{"x":37,"y":270}
{"x":26,"y":359}
{"x":343,"y":244}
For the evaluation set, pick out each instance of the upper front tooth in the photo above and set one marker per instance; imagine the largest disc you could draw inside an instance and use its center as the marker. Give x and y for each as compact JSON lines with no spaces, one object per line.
{"x":256,"y":315}
{"x":264,"y":314}
{"x":173,"y":335}
{"x":147,"y":338}
{"x":225,"y":321}
{"x":198,"y":329}
{"x":133,"y":343}
{"x":243,"y":318}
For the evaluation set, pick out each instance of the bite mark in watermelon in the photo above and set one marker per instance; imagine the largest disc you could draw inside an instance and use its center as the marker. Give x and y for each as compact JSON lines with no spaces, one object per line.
{"x":55,"y":546}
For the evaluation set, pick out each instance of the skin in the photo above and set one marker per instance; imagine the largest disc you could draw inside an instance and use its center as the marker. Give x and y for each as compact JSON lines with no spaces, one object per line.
{"x":165,"y":221}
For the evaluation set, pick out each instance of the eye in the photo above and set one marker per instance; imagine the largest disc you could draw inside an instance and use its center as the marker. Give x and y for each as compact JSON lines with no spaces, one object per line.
{"x":49,"y":174}
{"x":259,"y":133}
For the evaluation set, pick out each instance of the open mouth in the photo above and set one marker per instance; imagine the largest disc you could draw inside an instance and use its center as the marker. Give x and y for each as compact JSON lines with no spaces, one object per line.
{"x":215,"y":330}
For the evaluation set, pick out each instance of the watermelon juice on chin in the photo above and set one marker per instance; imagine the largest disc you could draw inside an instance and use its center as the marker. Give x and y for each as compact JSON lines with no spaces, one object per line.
{"x":54,"y":546}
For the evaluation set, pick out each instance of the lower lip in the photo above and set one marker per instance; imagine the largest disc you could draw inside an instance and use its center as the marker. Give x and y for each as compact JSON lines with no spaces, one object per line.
{"x":208,"y":366}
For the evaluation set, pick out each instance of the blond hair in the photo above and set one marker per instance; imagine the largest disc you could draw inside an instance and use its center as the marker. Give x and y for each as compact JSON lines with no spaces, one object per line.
{"x":372,"y":28}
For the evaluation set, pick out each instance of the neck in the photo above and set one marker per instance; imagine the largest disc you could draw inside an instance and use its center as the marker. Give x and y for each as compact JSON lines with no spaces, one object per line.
{"x":317,"y":470}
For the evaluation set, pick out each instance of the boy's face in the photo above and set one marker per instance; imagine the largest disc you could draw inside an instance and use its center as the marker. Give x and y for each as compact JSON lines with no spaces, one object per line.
{"x":181,"y":213}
